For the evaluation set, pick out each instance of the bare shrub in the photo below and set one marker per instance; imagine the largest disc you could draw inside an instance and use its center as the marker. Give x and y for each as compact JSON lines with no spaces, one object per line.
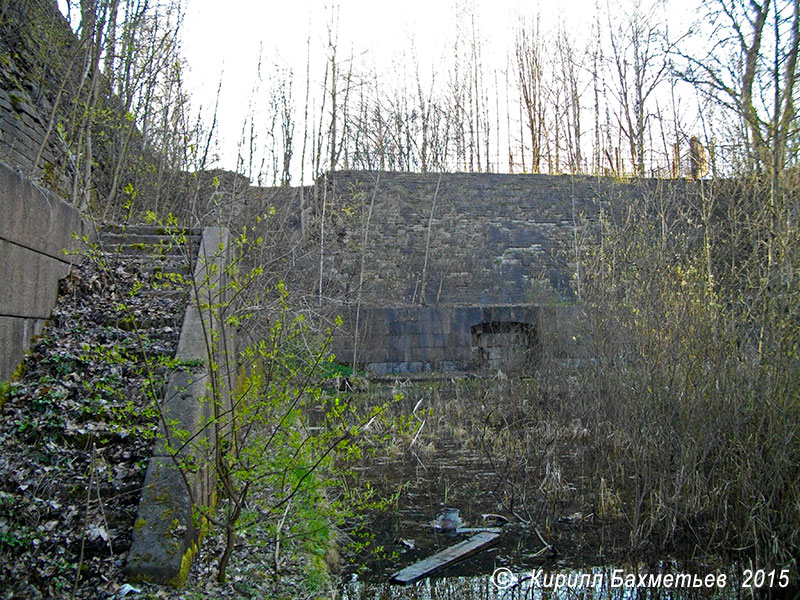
{"x":695,"y":337}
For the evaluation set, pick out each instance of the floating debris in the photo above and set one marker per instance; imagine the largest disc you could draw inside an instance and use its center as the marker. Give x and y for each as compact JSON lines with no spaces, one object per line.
{"x":445,"y":558}
{"x":447,"y":520}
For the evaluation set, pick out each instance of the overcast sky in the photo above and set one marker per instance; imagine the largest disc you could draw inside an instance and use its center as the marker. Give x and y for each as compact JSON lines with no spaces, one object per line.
{"x":222,"y":40}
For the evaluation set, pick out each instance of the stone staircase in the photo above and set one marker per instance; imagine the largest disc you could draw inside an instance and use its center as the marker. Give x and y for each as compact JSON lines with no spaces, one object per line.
{"x":152,"y":249}
{"x":161,"y":261}
{"x":168,"y":531}
{"x":171,"y":267}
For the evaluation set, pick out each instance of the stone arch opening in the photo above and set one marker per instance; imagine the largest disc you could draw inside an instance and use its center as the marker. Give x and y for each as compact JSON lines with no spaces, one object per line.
{"x":509,"y":346}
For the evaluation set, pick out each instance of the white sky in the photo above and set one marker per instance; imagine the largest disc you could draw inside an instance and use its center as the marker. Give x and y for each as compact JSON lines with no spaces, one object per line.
{"x":222,"y":39}
{"x":225,"y":43}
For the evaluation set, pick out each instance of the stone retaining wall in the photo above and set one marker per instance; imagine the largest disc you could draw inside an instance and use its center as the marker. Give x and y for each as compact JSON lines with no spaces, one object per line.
{"x":468,"y":238}
{"x":434,"y":251}
{"x":36,"y":229}
{"x":38,"y":56}
{"x":456,"y":339}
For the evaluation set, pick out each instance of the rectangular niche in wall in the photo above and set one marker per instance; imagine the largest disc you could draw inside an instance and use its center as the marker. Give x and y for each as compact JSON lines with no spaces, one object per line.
{"x":508,"y":346}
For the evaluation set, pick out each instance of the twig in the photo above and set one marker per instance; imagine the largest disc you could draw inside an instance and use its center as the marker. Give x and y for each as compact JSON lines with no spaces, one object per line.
{"x":278,"y":536}
{"x":421,"y":425}
{"x":105,"y":520}
{"x":85,"y":521}
{"x":541,"y":539}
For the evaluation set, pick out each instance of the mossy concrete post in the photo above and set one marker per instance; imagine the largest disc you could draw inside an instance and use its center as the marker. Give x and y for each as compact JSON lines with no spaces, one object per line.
{"x":181,"y":474}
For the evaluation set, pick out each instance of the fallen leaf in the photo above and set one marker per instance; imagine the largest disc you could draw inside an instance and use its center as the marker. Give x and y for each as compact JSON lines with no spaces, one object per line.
{"x":97,"y":531}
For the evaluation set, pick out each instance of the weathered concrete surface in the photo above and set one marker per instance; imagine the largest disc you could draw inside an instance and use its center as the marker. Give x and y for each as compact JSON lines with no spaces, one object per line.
{"x":37,"y":247}
{"x":454,"y":240}
{"x":15,"y":337}
{"x":418,"y":339}
{"x":181,"y":475}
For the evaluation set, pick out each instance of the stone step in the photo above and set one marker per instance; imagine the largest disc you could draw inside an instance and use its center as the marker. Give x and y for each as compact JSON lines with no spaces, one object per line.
{"x":151,"y":249}
{"x":155,"y":264}
{"x":148,"y":230}
{"x":164,"y":295}
{"x":163,"y":249}
{"x":113,"y":237}
{"x":147,"y":243}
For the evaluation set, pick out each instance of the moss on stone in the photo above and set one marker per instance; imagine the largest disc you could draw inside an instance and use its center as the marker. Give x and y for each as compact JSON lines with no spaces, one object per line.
{"x":186,"y":560}
{"x":5,"y":386}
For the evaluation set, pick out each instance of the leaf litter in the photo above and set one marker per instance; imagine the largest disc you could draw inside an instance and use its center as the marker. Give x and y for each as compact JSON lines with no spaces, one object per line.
{"x":77,"y":430}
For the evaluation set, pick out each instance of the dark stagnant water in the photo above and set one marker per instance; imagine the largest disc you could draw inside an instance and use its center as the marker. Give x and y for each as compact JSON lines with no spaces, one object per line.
{"x":453,"y":473}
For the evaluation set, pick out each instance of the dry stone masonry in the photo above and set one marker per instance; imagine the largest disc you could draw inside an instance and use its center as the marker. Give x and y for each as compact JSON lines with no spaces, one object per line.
{"x":467,"y":238}
{"x":463,"y":271}
{"x":35,"y":47}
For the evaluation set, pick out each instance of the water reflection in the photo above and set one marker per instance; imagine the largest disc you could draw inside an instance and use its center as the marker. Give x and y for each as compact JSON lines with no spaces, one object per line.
{"x":450,"y":469}
{"x":587,"y":584}
{"x":428,"y":589}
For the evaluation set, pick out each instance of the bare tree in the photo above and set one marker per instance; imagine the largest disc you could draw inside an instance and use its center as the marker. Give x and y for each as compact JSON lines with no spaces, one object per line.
{"x":597,"y":61}
{"x":639,"y":54}
{"x":287,"y":126}
{"x":571,"y":66}
{"x":739,"y":74}
{"x":530,"y":73}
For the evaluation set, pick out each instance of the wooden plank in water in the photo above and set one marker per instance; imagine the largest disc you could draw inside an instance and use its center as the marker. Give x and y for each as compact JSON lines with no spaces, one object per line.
{"x":477,"y":530}
{"x":445,"y":558}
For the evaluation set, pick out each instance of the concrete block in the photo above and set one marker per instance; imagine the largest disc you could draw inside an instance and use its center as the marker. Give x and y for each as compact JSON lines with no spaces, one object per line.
{"x":15,"y":339}
{"x":30,"y":281}
{"x":165,"y":535}
{"x":344,"y":353}
{"x":430,"y":340}
{"x":165,"y":532}
{"x":379,"y":368}
{"x":374,"y":352}
{"x":461,"y":338}
{"x":395,"y":324}
{"x":469,"y":316}
{"x":441,"y":326}
{"x":36,"y":219}
{"x":369,"y":327}
{"x":459,"y":354}
{"x":186,"y":403}
{"x":397,"y":343}
{"x":413,"y":327}
{"x":35,"y":228}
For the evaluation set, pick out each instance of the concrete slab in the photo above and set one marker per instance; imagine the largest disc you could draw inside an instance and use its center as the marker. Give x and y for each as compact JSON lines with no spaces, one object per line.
{"x":15,"y":339}
{"x":35,"y":230}
{"x":35,"y":219}
{"x":165,"y":536}
{"x":30,"y":281}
